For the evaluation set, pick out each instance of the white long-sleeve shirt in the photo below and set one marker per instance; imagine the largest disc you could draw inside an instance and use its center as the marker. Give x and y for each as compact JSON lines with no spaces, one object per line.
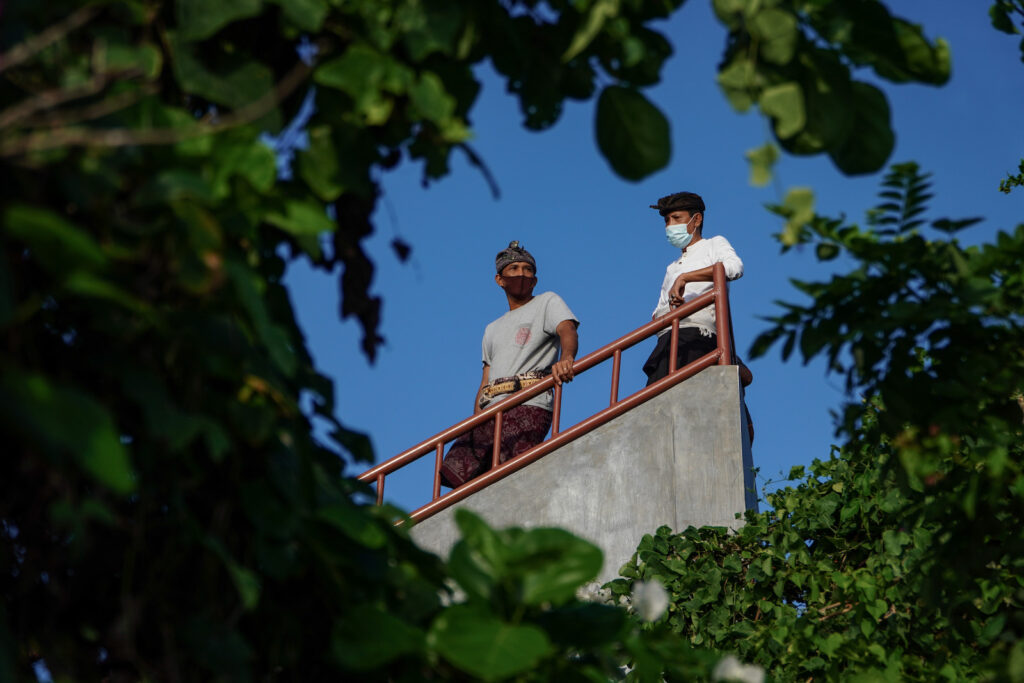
{"x":706,"y":252}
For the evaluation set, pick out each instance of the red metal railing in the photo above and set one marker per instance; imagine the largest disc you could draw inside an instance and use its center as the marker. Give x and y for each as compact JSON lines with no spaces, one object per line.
{"x":718,"y":297}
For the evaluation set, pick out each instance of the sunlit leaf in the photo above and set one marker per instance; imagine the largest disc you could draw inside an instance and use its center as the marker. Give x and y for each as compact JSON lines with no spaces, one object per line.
{"x":785,"y":104}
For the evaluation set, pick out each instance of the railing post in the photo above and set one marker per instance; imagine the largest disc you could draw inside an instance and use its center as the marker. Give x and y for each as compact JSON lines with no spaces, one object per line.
{"x":380,"y":489}
{"x":437,"y":470}
{"x":556,"y":412}
{"x":673,"y":346}
{"x":722,"y":315}
{"x":496,"y":451}
{"x":616,"y":364}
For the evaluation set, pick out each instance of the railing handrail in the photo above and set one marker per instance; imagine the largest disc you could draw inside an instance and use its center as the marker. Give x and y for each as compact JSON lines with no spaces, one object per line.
{"x":716,"y":296}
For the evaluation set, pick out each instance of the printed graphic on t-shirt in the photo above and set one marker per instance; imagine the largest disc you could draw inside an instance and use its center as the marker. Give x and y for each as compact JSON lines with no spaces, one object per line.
{"x":522,"y":336}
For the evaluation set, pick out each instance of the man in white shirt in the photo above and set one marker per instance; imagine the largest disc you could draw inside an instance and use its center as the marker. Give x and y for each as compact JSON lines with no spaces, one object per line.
{"x":686,"y":278}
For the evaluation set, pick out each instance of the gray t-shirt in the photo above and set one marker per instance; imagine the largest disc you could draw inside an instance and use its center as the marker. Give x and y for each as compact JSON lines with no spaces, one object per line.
{"x":523,"y":340}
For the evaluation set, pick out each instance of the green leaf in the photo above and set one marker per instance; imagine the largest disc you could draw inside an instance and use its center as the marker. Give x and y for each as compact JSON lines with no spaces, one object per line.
{"x":302,"y":218}
{"x":762,"y":161}
{"x":365,"y":74}
{"x":871,"y":139}
{"x":825,"y":84}
{"x":307,"y":15}
{"x":430,"y":99}
{"x":218,"y":646}
{"x":247,"y":583}
{"x":738,"y":80}
{"x":198,"y":19}
{"x":174,"y":185}
{"x":355,"y":523}
{"x":250,"y":290}
{"x":799,"y":210}
{"x":826,"y":251}
{"x":485,"y":646}
{"x":249,"y":158}
{"x":319,"y":165}
{"x":59,"y":245}
{"x":599,"y":12}
{"x":785,"y":104}
{"x":999,"y":13}
{"x":777,"y":30}
{"x":144,"y":57}
{"x":367,"y":637}
{"x":356,"y":443}
{"x":91,"y":286}
{"x":554,"y":563}
{"x":477,"y":561}
{"x":430,"y":26}
{"x":235,"y":82}
{"x":632,"y":134}
{"x":70,"y":421}
{"x":584,"y":626}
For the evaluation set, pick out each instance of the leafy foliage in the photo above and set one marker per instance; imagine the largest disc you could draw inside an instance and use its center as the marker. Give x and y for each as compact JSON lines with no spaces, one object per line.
{"x":845,"y":578}
{"x":165,"y":512}
{"x":1012,"y":181}
{"x":793,"y":60}
{"x":1003,"y":13}
{"x":899,"y":557}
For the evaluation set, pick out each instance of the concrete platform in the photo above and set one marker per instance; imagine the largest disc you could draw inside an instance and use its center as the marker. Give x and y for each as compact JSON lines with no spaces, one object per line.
{"x":683,"y":458}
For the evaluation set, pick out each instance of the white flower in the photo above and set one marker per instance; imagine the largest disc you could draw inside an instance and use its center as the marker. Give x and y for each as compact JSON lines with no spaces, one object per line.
{"x":650,"y":599}
{"x":592,"y":592}
{"x":731,"y":669}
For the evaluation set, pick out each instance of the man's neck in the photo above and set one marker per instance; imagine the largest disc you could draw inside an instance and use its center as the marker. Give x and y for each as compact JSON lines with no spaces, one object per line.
{"x":514,"y":303}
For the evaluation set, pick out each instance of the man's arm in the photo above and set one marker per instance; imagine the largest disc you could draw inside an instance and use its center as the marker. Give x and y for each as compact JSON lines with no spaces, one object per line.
{"x":562,"y":370}
{"x":483,"y":382}
{"x":722,"y":252}
{"x":675,"y":297}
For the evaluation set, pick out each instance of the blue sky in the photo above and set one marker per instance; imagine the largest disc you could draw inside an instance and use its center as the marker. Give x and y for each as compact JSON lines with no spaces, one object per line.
{"x":600,"y":247}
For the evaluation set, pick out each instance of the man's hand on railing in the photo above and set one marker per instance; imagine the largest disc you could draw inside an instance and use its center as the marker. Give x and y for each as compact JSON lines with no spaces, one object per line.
{"x":562,"y":370}
{"x":675,"y":295}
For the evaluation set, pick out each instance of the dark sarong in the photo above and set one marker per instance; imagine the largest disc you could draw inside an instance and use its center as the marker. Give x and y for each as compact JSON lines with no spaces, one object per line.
{"x":522,"y":428}
{"x":692,"y":345}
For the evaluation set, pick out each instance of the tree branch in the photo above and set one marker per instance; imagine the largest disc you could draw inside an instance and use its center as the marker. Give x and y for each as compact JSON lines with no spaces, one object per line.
{"x":127,"y":137}
{"x":22,"y":51}
{"x":95,"y":111}
{"x":57,"y":96}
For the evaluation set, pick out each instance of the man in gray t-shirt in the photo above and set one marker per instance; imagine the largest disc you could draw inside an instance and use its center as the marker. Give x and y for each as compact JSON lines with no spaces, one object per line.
{"x":537,"y":337}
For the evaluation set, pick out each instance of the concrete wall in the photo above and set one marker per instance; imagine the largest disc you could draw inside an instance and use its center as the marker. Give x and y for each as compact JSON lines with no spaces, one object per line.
{"x":682,"y":458}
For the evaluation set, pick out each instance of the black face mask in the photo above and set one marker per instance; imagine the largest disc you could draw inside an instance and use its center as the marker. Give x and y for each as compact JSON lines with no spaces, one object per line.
{"x":519,"y":286}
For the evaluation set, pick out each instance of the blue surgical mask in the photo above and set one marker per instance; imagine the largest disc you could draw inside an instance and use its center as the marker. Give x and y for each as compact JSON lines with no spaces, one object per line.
{"x":677,"y":235}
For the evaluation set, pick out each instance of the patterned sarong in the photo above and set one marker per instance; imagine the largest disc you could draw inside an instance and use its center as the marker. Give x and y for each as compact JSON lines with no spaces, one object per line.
{"x":522,"y":428}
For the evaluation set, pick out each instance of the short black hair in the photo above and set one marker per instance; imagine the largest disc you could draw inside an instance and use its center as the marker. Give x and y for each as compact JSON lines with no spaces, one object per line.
{"x":680,"y":201}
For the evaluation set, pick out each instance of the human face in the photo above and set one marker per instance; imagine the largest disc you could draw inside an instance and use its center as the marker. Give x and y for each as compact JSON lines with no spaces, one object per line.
{"x":518,"y":280}
{"x":517,"y":268}
{"x":680,"y":218}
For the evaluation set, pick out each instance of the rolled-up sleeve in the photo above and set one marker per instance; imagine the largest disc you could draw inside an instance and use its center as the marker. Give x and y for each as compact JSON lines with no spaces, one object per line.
{"x":726,"y":255}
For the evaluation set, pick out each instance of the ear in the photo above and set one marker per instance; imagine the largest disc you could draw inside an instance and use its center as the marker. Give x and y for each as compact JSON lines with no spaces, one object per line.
{"x":498,"y":278}
{"x":698,"y":222}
